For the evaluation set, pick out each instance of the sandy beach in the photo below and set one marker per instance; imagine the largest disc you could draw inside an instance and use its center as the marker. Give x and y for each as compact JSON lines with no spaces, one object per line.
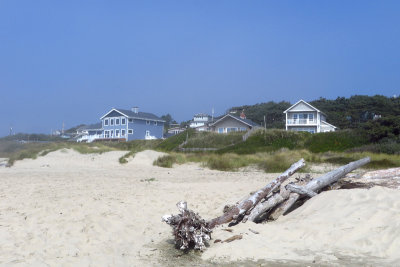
{"x":69,"y":209}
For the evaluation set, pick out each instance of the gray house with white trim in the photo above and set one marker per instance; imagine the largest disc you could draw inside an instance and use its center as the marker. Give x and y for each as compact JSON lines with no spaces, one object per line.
{"x":230,"y":123}
{"x":131,"y":125}
{"x":304,"y":117}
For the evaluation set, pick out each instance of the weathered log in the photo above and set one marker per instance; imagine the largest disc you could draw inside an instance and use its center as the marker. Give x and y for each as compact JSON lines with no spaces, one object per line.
{"x":301,"y":190}
{"x":258,"y":211}
{"x":236,"y":213}
{"x":318,"y":184}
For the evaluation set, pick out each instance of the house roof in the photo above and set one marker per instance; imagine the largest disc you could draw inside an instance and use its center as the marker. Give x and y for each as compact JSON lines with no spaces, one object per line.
{"x":304,"y":102}
{"x":245,"y":121}
{"x":328,"y":124}
{"x":138,"y":115}
{"x":94,"y":126}
{"x":201,"y":115}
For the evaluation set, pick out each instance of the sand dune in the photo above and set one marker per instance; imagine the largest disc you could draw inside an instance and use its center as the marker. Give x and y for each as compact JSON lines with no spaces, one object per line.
{"x":88,"y":210}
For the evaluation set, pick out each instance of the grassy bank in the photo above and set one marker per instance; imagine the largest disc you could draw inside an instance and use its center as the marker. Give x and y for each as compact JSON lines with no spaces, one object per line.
{"x":276,"y":161}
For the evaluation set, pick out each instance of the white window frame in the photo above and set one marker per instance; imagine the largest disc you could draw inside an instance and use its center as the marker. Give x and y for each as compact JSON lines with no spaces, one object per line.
{"x":130,"y":131}
{"x":111,"y":133}
{"x":111,"y":122}
{"x":123,"y":132}
{"x":123,"y":119}
{"x":117,"y":119}
{"x":116,"y":132}
{"x":106,"y":134}
{"x":106,"y":122}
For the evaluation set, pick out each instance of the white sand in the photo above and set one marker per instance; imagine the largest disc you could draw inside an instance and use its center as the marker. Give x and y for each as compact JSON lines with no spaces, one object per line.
{"x":88,"y":210}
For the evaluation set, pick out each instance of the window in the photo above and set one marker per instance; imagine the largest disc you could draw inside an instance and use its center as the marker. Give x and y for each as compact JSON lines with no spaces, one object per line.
{"x":111,"y":133}
{"x":116,"y":121}
{"x":220,"y":130}
{"x":123,"y":132}
{"x":106,"y":134}
{"x":130,"y":131}
{"x":123,"y":121}
{"x":105,"y":122}
{"x":242,"y":129}
{"x":147,"y":133}
{"x":155,"y":123}
{"x":111,"y":121}
{"x":130,"y":120}
{"x":147,"y":122}
{"x":116,"y":133}
{"x":311,"y":117}
{"x":303,"y":116}
{"x":295,"y":116}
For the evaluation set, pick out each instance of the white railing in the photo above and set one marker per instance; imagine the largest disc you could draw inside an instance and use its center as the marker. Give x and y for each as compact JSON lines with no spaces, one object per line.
{"x":89,"y":138}
{"x":301,"y":121}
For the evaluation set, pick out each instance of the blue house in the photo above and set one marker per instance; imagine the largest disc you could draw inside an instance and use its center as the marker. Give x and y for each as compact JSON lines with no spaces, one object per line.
{"x":131,"y":125}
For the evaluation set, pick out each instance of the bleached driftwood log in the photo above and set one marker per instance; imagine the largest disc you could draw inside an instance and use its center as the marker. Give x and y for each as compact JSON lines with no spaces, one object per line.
{"x":237,"y":212}
{"x":318,"y":184}
{"x":189,"y":229}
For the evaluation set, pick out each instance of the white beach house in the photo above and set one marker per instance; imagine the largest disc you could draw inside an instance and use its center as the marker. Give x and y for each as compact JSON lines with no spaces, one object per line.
{"x":304,"y":117}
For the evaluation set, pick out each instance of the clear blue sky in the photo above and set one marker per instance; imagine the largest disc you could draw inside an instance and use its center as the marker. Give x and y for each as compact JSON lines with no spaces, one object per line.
{"x":71,"y":61}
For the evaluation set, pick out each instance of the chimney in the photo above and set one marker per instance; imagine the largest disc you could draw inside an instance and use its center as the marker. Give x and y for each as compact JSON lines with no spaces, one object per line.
{"x":135,"y":109}
{"x":242,"y":115}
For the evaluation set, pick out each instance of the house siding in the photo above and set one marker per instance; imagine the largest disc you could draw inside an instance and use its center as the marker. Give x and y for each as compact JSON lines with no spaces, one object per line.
{"x":140,"y":127}
{"x":301,"y":107}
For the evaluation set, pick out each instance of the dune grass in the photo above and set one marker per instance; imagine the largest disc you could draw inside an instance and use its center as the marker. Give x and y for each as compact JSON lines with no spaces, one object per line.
{"x":276,"y":161}
{"x":213,"y":140}
{"x":173,"y":142}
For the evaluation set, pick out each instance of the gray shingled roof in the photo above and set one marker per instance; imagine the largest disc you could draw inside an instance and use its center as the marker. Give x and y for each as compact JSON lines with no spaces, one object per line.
{"x":139,"y":115}
{"x":95,"y":126}
{"x":247,"y":121}
{"x":250,"y":122}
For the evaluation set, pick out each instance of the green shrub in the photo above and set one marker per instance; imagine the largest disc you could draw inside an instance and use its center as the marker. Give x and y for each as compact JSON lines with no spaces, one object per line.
{"x":335,"y":141}
{"x":173,"y":142}
{"x":267,"y":141}
{"x":213,"y":140}
{"x":165,"y":161}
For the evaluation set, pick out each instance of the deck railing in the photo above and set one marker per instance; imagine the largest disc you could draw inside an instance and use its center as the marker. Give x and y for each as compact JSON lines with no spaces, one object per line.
{"x":301,"y":121}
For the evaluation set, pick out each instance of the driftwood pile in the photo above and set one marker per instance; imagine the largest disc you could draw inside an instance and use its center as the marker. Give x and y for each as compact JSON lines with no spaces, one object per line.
{"x":268,"y":203}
